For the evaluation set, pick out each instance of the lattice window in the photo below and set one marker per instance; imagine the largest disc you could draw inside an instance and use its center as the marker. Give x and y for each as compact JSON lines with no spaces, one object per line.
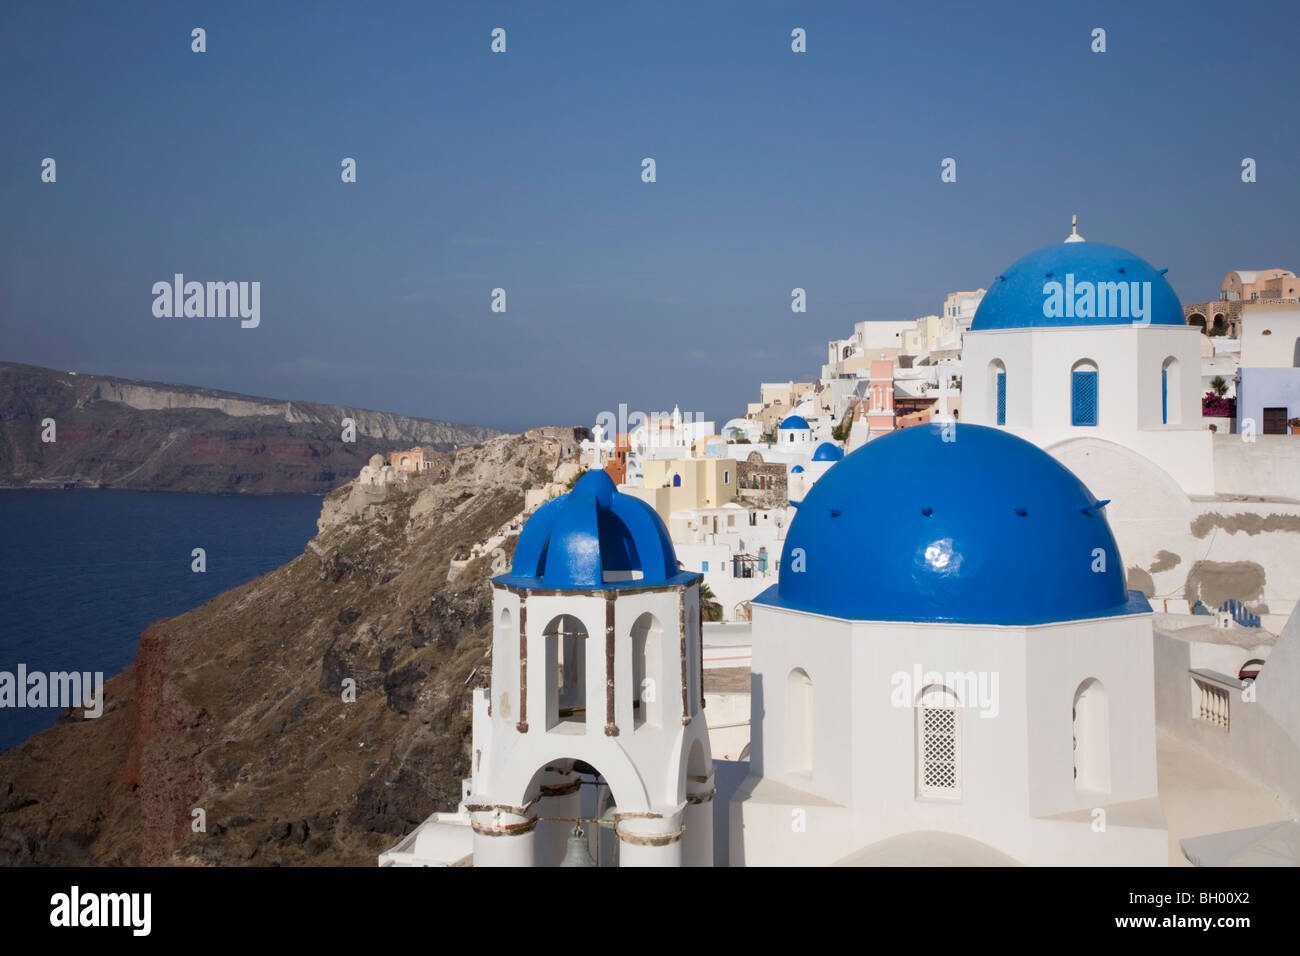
{"x":1083,"y":398}
{"x":938,"y":744}
{"x":1002,"y":398}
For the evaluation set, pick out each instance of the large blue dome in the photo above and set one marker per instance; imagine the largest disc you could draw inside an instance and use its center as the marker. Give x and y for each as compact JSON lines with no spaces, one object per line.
{"x":1020,"y":296}
{"x":594,"y":537}
{"x":983,"y":529}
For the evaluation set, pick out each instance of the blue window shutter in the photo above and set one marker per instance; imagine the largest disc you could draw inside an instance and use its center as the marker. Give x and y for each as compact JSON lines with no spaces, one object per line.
{"x":1002,"y":398}
{"x":1083,"y":398}
{"x":1164,"y":396}
{"x":706,"y":565}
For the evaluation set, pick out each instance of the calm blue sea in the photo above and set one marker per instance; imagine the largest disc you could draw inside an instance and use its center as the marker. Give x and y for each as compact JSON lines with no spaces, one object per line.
{"x":83,"y":573}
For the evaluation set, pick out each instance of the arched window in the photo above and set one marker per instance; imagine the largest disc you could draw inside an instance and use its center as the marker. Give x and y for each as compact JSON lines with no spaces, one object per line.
{"x":938,"y":743}
{"x":798,"y":722}
{"x":566,"y":670}
{"x":677,"y":481}
{"x":1091,"y":737}
{"x":1171,"y":411}
{"x":998,"y":392}
{"x":647,"y":661}
{"x":1083,"y":393}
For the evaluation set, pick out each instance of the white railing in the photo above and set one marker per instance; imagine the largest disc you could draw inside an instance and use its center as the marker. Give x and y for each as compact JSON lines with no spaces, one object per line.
{"x":1211,"y":695}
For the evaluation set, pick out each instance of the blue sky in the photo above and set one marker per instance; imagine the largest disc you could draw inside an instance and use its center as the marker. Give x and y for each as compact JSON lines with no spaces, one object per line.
{"x":522,"y":171}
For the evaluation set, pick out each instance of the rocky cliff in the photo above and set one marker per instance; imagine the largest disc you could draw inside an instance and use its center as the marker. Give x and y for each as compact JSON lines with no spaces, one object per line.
{"x":239,"y":708}
{"x":115,"y":433}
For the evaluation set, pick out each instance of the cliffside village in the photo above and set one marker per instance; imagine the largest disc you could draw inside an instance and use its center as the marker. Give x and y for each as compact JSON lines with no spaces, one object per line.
{"x":1119,"y":543}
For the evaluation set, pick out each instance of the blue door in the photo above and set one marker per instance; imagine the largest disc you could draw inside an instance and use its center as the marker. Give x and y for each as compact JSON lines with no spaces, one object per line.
{"x":1083,"y":398}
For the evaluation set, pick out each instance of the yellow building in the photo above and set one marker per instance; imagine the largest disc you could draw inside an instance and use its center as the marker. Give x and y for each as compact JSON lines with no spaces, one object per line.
{"x":674,"y":484}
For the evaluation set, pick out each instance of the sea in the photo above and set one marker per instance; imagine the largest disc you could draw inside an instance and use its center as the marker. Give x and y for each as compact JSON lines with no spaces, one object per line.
{"x":84,"y":572}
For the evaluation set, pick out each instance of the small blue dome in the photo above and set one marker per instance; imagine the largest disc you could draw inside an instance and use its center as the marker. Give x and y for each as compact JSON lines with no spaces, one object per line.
{"x":797,"y":469}
{"x":1023,"y":295}
{"x":827,"y":451}
{"x":985,"y":528}
{"x":795,"y":421}
{"x":575,"y":541}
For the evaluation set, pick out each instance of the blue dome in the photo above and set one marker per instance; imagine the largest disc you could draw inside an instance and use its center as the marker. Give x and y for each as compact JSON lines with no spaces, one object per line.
{"x":796,"y":469}
{"x":1023,"y":295}
{"x":982,"y":529}
{"x":828,"y":452}
{"x":573,"y":542}
{"x":795,"y":421}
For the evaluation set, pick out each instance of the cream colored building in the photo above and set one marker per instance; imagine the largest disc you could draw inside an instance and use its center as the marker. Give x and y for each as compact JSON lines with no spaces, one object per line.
{"x":678,"y":484}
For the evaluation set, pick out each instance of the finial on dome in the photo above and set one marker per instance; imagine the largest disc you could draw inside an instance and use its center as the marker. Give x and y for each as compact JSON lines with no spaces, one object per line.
{"x":1074,"y":231}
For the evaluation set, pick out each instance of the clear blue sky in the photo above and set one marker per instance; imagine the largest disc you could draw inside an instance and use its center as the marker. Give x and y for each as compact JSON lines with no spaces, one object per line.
{"x":522,"y":171}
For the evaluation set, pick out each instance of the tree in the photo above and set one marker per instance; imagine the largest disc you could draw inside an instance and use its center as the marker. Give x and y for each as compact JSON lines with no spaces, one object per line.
{"x":1220,"y":385}
{"x":841,"y":431}
{"x":712,"y":609}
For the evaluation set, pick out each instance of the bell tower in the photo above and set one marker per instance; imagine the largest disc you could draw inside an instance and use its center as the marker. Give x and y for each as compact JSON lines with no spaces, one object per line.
{"x":594,"y":718}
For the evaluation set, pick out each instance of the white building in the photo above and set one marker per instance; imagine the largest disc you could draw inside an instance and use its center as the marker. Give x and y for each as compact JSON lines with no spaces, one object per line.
{"x":1082,"y":349}
{"x":594,"y":716}
{"x":939,"y":679}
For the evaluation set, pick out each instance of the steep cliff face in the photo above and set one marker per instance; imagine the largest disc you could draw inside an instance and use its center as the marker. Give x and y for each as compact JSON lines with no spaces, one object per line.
{"x":117,"y":433}
{"x":239,"y":708}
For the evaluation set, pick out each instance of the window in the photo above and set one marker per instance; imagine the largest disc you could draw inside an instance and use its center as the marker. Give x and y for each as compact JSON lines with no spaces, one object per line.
{"x":798,"y":722}
{"x":938,"y":744}
{"x":566,"y":667}
{"x":1083,"y":393}
{"x":731,"y":521}
{"x":706,"y":566}
{"x":726,"y":477}
{"x":998,"y":391}
{"x":677,"y":481}
{"x":647,"y":665}
{"x":1091,"y":722}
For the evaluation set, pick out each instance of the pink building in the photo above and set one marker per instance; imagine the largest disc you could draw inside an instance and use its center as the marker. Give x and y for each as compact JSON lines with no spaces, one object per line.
{"x":1269,"y":284}
{"x":880,"y":398}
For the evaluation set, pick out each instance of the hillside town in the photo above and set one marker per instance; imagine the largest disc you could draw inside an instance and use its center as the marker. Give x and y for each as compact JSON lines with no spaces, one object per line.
{"x":1069,"y":484}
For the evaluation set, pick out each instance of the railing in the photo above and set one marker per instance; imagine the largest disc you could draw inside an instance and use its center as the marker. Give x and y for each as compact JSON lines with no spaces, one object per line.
{"x":1210,"y":699}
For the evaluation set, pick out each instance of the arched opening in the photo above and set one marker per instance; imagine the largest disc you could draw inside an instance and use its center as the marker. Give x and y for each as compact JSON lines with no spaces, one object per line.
{"x":848,"y":350}
{"x":568,"y":792}
{"x":798,"y":722}
{"x":505,"y":672}
{"x":1171,"y":392}
{"x":1091,"y":737}
{"x":1197,"y":319}
{"x":647,"y":666}
{"x":677,"y":481}
{"x":938,"y":743}
{"x":1083,"y":392}
{"x":997,"y":392}
{"x":1219,"y":325}
{"x":566,"y":671}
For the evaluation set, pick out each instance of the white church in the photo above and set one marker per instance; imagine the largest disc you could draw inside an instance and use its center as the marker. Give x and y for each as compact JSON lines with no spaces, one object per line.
{"x":936,"y":680}
{"x":954,"y":666}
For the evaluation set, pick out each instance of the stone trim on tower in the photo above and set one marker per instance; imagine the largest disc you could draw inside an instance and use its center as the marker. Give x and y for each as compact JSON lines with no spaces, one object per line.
{"x":522,"y":726}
